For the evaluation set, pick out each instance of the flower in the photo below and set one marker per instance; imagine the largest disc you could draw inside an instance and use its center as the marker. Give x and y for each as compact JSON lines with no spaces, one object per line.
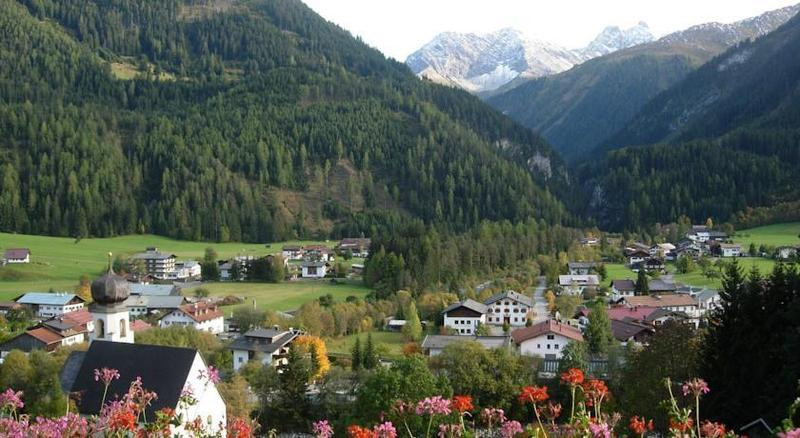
{"x":679,"y":426}
{"x":572,"y":377}
{"x":510,"y":428}
{"x":356,"y":431}
{"x":385,"y":430}
{"x":11,"y":399}
{"x":600,"y":430}
{"x":595,"y":389}
{"x":450,"y":430}
{"x":533,"y":394}
{"x":696,"y":387}
{"x":239,"y":428}
{"x":493,"y":415}
{"x":639,"y":426}
{"x":790,"y":433}
{"x":713,"y":430}
{"x":433,"y":406}
{"x":462,"y":403}
{"x":551,"y":411}
{"x":322,"y":429}
{"x":210,"y":374}
{"x":122,"y":419}
{"x":106,"y":375}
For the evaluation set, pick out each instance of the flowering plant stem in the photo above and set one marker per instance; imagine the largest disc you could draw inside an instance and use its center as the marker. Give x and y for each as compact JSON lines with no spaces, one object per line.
{"x":697,"y":412}
{"x":539,"y":420}
{"x":572,"y":409}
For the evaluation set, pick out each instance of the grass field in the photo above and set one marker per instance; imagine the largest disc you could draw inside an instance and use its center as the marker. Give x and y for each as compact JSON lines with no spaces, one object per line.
{"x":388,"y":344}
{"x":285,"y":296}
{"x":696,"y":278}
{"x":772,"y":235}
{"x":58,"y":263}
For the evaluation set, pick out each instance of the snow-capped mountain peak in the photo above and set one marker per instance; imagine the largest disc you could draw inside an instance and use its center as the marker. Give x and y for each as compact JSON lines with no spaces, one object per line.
{"x":612,"y":38}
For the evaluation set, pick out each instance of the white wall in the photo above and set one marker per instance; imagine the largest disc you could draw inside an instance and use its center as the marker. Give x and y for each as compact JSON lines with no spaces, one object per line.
{"x":538,"y":346}
{"x":55,"y":310}
{"x":177,"y":317}
{"x":210,"y":406}
{"x":499,"y":310}
{"x":464,"y":325}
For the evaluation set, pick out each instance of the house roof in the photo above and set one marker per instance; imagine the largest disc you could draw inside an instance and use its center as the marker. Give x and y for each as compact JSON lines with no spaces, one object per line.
{"x":623,"y":285}
{"x":45,"y":298}
{"x":637,"y":313}
{"x":469,"y":304}
{"x":308,"y":264}
{"x":153,"y":289}
{"x":581,"y":265}
{"x":138,"y":325}
{"x":17,"y":253}
{"x":438,"y":342}
{"x":661,"y":300}
{"x":730,"y":246}
{"x":78,"y":317}
{"x":201,"y":311}
{"x":9,"y":305}
{"x":263,"y":340}
{"x":625,"y":330}
{"x":155,"y":301}
{"x":566,"y":280}
{"x":706,"y":295}
{"x":45,"y":335}
{"x":661,"y":313}
{"x":659,"y":285}
{"x":164,"y":370}
{"x":521,"y":335}
{"x":637,"y":252}
{"x":510,"y":294}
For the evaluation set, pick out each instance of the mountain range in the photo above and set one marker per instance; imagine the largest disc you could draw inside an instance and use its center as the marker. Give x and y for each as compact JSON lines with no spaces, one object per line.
{"x":485,"y":62}
{"x":578,"y":110}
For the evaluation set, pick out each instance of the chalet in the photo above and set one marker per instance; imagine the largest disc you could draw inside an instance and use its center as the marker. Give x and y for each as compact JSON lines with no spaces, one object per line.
{"x":651,"y":264}
{"x":658,"y":286}
{"x":637,"y":256}
{"x":717,"y":236}
{"x":318,"y":253}
{"x":47,"y":305}
{"x":292,"y":252}
{"x":660,"y":316}
{"x":270,"y":345}
{"x":167,"y":371}
{"x":17,"y":255}
{"x":546,"y":339}
{"x":156,"y":263}
{"x":576,"y":284}
{"x":688,"y":248}
{"x":581,"y":268}
{"x":786,"y":252}
{"x":662,"y":250}
{"x":727,"y":250}
{"x":465,"y":317}
{"x":153,"y":289}
{"x":314,"y":269}
{"x":630,"y":331}
{"x":676,"y":302}
{"x":699,"y":233}
{"x":359,"y":247}
{"x":508,"y":307}
{"x":433,"y":345}
{"x":203,"y":316}
{"x":622,"y":288}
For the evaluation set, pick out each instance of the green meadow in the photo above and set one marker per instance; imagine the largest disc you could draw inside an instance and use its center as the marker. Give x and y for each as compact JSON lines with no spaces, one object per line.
{"x":771,"y":235}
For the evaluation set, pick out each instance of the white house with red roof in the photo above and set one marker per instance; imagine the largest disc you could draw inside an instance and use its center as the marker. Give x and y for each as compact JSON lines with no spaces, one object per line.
{"x":546,"y":339}
{"x":202,"y":315}
{"x":17,"y":255}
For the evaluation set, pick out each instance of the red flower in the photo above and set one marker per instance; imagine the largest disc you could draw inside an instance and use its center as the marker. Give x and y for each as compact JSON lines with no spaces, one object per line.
{"x":572,"y":377}
{"x":551,"y":411}
{"x":239,"y":428}
{"x":595,"y":390}
{"x":679,"y":426}
{"x":462,"y":403}
{"x":639,"y":426}
{"x":533,"y":394}
{"x":712,"y":430}
{"x":122,"y":419}
{"x":356,"y":431}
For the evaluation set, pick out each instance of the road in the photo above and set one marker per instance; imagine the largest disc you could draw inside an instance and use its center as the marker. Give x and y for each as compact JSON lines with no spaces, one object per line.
{"x":539,"y":302}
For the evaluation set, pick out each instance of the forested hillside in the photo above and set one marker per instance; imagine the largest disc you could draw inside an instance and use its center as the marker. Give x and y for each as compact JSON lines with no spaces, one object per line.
{"x":578,"y":110}
{"x":730,"y":136}
{"x":240,"y":120}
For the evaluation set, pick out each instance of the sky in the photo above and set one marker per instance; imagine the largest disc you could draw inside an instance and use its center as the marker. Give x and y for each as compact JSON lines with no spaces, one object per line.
{"x":400,"y":27}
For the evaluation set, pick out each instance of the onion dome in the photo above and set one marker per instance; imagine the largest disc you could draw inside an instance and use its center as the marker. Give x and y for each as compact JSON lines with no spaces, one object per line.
{"x":110,"y":289}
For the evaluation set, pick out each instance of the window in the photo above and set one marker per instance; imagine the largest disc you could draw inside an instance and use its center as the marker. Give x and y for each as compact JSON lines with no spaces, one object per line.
{"x":241,"y":359}
{"x":100,"y":328}
{"x":538,"y":345}
{"x":548,"y":346}
{"x":555,"y":346}
{"x":551,"y":337}
{"x":123,"y":329}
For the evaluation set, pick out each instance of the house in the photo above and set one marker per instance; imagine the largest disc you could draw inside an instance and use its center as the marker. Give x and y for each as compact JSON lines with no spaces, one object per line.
{"x":359,"y":247}
{"x":662,"y":250}
{"x":185,"y":270}
{"x":357,"y":268}
{"x":630,"y":313}
{"x":728,"y":250}
{"x":622,"y":288}
{"x":156,"y":263}
{"x":153,"y":289}
{"x":138,"y":325}
{"x":576,"y":284}
{"x":292,"y":252}
{"x":17,"y":255}
{"x":144,"y":305}
{"x":637,"y":256}
{"x":661,"y":316}
{"x":203,"y":316}
{"x":508,"y":307}
{"x":786,"y":252}
{"x":270,"y":345}
{"x":658,"y":286}
{"x":717,"y":236}
{"x":699,"y":233}
{"x":688,"y":248}
{"x":9,"y":306}
{"x":395,"y":325}
{"x":167,"y":371}
{"x":314,"y":269}
{"x":581,"y":268}
{"x":707,"y":300}
{"x":47,"y":305}
{"x":318,"y":253}
{"x":464,"y":317}
{"x":631,"y":331}
{"x":590,"y":241}
{"x":433,"y":345}
{"x":39,"y":338}
{"x":546,"y":339}
{"x":675,"y":302}
{"x":651,"y":264}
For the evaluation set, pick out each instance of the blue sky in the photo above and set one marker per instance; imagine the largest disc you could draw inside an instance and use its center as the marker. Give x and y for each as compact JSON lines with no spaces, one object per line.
{"x":399,"y":27}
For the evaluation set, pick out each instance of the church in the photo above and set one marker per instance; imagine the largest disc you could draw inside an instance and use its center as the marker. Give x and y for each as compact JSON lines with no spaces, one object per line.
{"x":167,"y":371}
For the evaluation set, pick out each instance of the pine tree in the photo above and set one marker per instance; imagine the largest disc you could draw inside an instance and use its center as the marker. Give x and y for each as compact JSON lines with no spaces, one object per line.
{"x":370,"y":358}
{"x":355,"y":355}
{"x":642,"y":286}
{"x":598,"y":332}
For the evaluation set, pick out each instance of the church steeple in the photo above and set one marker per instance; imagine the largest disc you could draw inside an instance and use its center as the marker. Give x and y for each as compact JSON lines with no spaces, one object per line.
{"x":110,"y":315}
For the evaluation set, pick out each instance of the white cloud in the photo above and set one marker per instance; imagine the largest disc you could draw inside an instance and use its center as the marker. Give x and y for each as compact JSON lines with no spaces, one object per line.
{"x":399,"y":27}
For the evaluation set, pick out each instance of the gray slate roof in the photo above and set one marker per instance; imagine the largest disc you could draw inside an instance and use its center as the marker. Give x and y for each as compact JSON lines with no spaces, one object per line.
{"x":581,"y":265}
{"x":510,"y":294}
{"x":48,"y":299}
{"x":155,"y":301}
{"x":153,"y":289}
{"x":469,"y":304}
{"x":263,"y":340}
{"x":623,"y":285}
{"x":441,"y":341}
{"x":658,"y":285}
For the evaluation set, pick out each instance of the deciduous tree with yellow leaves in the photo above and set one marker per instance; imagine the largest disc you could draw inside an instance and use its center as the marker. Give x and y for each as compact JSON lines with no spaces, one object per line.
{"x":315,"y":346}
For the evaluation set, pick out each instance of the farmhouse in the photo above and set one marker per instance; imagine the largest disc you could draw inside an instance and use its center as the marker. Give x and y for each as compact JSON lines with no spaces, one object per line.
{"x":47,"y":305}
{"x":651,"y":264}
{"x":699,"y":233}
{"x":464,"y":317}
{"x":292,"y":252}
{"x":661,"y":250}
{"x":545,"y":339}
{"x":269,"y":345}
{"x":622,"y":288}
{"x":433,"y":345}
{"x":17,"y":255}
{"x":156,"y":263}
{"x":637,"y":256}
{"x":581,"y":268}
{"x":167,"y":371}
{"x":508,"y":307}
{"x":314,"y":269}
{"x":727,"y":250}
{"x":359,"y":247}
{"x":576,"y":284}
{"x":203,"y":316}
